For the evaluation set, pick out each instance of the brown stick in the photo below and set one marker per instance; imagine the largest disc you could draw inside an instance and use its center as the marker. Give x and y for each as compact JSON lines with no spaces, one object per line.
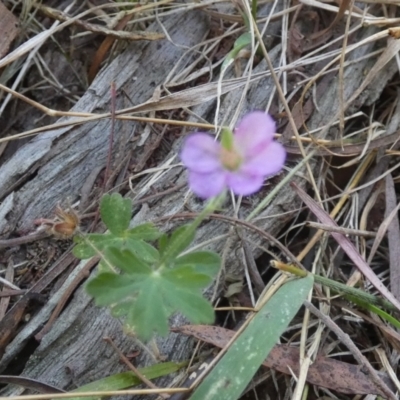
{"x":149,"y":383}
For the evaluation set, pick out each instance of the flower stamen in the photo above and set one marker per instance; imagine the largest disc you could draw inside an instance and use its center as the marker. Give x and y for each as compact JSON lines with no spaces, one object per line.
{"x":230,"y":159}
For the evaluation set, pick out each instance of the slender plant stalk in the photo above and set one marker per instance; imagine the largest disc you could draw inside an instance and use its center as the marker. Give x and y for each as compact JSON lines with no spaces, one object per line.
{"x":361,"y":297}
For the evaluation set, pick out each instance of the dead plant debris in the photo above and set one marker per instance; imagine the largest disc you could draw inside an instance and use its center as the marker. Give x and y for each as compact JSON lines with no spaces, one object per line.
{"x":97,"y":97}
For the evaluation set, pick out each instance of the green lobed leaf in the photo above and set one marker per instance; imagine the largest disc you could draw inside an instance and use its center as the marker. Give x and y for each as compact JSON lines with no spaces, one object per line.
{"x":162,"y":244}
{"x":122,"y":309}
{"x":116,"y":212}
{"x":186,"y":277}
{"x":143,"y":250}
{"x":94,"y":242}
{"x":180,"y":239}
{"x":149,"y":297}
{"x":128,"y":262}
{"x":145,"y":231}
{"x":148,"y":313}
{"x":197,"y":309}
{"x":80,"y":249}
{"x":237,"y":367}
{"x":205,"y":262}
{"x":162,"y":294}
{"x":108,"y":288}
{"x":103,"y":266}
{"x":84,"y":250}
{"x":192,"y":305}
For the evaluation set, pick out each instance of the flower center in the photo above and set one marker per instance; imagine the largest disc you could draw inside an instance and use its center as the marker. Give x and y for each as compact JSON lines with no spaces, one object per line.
{"x":230,"y":159}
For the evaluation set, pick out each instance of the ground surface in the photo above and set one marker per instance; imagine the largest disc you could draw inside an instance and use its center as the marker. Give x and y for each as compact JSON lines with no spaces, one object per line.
{"x":147,"y":75}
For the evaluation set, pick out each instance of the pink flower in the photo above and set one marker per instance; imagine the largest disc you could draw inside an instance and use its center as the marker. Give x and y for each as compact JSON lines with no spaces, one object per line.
{"x":241,"y":162}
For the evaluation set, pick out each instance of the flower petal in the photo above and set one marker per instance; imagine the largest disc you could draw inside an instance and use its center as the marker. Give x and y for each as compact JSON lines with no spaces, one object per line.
{"x":267,"y":162}
{"x":253,"y":133}
{"x":243,"y":183}
{"x":200,"y":153}
{"x":208,"y":184}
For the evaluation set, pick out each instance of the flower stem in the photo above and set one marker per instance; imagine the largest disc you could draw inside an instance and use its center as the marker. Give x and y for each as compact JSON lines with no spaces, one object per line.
{"x":211,"y":206}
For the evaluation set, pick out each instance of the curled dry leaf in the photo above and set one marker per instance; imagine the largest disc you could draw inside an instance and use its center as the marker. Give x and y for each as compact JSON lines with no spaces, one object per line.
{"x":64,"y":225}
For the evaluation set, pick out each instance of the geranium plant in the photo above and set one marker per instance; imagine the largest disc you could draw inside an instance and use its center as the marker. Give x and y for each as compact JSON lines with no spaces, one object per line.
{"x":146,"y":284}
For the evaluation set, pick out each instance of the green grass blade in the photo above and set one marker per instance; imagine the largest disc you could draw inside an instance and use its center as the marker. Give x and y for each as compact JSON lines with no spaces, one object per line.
{"x":128,"y":379}
{"x":360,"y":297}
{"x":376,"y":310}
{"x":233,"y":373}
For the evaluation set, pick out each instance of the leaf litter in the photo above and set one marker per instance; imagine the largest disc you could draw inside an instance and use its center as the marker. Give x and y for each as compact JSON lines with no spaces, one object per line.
{"x":317,"y":42}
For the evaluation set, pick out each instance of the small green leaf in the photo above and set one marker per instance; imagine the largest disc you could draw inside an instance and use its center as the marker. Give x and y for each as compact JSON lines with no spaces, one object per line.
{"x":237,"y":367}
{"x":81,"y":249}
{"x":128,"y":379}
{"x":241,"y":42}
{"x":116,"y":212}
{"x":204,"y":262}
